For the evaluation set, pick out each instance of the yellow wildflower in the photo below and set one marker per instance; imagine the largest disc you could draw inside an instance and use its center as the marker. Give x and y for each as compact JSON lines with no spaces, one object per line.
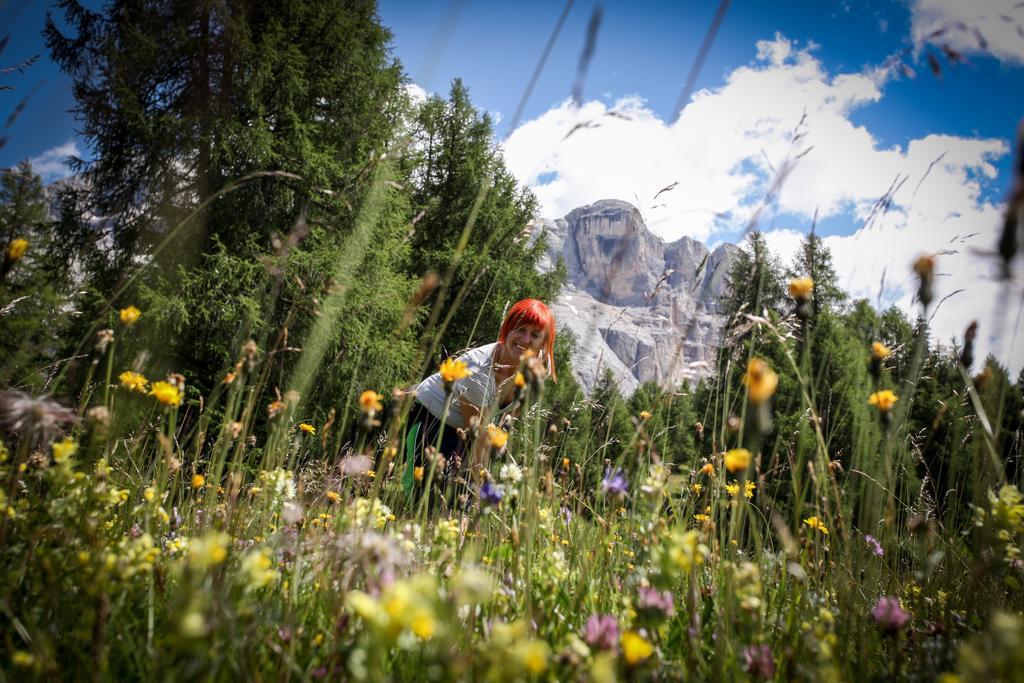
{"x":801,"y":288}
{"x":760,"y":380}
{"x":645,"y":415}
{"x":133,"y":381}
{"x":737,"y":460}
{"x":635,"y":648}
{"x":748,"y":489}
{"x":732,"y":489}
{"x":198,"y":481}
{"x":130,"y":315}
{"x":62,"y":450}
{"x":879,"y":350}
{"x":520,"y":380}
{"x":816,"y":523}
{"x":275,"y":408}
{"x":696,"y":488}
{"x":166,"y":393}
{"x":417,"y":473}
{"x":333,"y":496}
{"x":708,"y":469}
{"x":497,"y":436}
{"x":883,"y":400}
{"x":370,"y":401}
{"x":700,"y":517}
{"x":308,"y":428}
{"x":16,"y":249}
{"x":453,"y":370}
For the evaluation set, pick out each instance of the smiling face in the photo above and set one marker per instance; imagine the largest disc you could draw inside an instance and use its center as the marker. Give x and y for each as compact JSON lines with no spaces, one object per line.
{"x":521,"y":338}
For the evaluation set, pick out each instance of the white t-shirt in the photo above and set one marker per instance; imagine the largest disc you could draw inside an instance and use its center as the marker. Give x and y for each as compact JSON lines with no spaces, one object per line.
{"x":478,"y":389}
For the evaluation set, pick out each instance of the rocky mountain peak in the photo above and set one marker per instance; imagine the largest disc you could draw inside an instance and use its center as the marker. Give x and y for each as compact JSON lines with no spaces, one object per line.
{"x":646,"y":309}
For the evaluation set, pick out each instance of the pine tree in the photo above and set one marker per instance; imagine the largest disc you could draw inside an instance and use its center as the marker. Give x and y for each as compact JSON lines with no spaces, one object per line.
{"x":32,"y":289}
{"x":460,"y":181}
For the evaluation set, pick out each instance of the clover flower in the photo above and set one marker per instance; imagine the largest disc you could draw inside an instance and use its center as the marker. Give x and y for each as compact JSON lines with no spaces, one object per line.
{"x":760,"y":380}
{"x":655,"y":603}
{"x":601,"y":632}
{"x":889,"y":614}
{"x":876,"y":547}
{"x":511,"y":473}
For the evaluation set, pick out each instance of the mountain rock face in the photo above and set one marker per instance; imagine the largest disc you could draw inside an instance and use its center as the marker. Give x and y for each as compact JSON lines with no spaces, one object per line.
{"x":642,"y":308}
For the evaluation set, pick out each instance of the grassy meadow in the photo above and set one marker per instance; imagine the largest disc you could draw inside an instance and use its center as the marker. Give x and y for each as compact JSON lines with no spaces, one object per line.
{"x":205,"y":342}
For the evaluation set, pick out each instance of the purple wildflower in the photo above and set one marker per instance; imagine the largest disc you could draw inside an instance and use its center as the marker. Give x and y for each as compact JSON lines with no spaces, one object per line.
{"x":758,"y":660}
{"x":875,"y":546}
{"x":655,"y":603}
{"x":490,"y":494}
{"x":890,"y":615}
{"x":614,"y":483}
{"x":602,"y":632}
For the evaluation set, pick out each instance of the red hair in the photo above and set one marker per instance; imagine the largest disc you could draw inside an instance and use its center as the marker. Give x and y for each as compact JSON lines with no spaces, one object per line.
{"x":532,"y":312}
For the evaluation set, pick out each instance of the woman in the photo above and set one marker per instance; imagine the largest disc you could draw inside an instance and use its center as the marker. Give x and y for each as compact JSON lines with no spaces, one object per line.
{"x":483,"y":396}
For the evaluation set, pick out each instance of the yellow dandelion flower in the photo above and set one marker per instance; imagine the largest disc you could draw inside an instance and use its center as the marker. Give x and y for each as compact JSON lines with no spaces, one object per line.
{"x":333,"y":496}
{"x":645,"y":415}
{"x":133,"y":381}
{"x":760,"y":381}
{"x":62,"y":450}
{"x":801,"y":288}
{"x":732,"y":489}
{"x":16,"y":249}
{"x":748,"y":489}
{"x":371,"y":474}
{"x":166,"y":393}
{"x":879,"y":351}
{"x":417,"y":473}
{"x":817,"y":524}
{"x":453,"y":370}
{"x":635,"y":648}
{"x":520,"y":380}
{"x":308,"y":428}
{"x":883,"y":400}
{"x":497,"y":436}
{"x":130,"y":315}
{"x":708,"y":469}
{"x":696,"y":489}
{"x":737,"y":460}
{"x":370,"y":401}
{"x":700,"y":517}
{"x":198,"y":481}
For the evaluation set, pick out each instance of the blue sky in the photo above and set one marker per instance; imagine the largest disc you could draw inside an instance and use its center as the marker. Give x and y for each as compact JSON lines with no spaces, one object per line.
{"x":769,"y":62}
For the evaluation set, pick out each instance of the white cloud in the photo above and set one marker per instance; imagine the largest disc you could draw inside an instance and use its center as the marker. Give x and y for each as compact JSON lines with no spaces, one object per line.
{"x":52,"y":164}
{"x":726,"y":148}
{"x":971,"y":26}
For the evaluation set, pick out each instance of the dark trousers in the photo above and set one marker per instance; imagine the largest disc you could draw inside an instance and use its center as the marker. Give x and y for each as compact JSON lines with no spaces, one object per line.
{"x":422,"y":431}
